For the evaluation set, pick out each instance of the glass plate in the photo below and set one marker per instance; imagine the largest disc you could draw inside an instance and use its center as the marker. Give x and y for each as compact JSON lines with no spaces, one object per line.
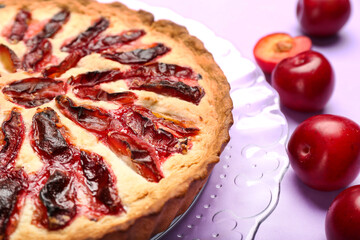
{"x":244,"y":186}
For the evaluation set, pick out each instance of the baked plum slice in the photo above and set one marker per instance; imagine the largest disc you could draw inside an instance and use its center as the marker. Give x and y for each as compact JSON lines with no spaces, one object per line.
{"x":100,"y":181}
{"x":171,"y":71}
{"x":13,"y":135}
{"x":143,"y":156}
{"x":176,"y":127}
{"x":9,"y":59}
{"x":91,"y":79}
{"x":13,"y":184}
{"x":38,"y":56}
{"x":33,"y":92}
{"x":50,"y":29}
{"x":112,"y":42}
{"x":144,"y":128}
{"x":58,"y":197}
{"x":48,"y":138}
{"x":84,"y":39}
{"x":138,"y":56}
{"x":20,"y":26}
{"x":97,"y":94}
{"x":169,"y":88}
{"x":166,"y":79}
{"x":69,"y":62}
{"x":94,"y":119}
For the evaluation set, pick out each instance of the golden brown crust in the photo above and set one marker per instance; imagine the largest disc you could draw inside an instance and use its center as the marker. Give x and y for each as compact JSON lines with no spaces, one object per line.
{"x":152,"y":211}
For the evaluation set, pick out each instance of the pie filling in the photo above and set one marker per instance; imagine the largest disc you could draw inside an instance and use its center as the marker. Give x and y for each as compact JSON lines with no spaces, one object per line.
{"x":145,"y":137}
{"x":65,"y":169}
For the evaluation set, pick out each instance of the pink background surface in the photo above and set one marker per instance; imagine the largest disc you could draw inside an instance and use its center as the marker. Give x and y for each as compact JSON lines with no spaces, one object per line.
{"x":301,"y":211}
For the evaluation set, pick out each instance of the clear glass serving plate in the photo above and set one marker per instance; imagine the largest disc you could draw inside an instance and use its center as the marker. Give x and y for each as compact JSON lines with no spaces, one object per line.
{"x":244,"y":186}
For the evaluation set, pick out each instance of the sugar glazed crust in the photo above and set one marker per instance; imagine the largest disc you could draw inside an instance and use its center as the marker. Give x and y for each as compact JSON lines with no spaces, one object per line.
{"x":149,"y":207}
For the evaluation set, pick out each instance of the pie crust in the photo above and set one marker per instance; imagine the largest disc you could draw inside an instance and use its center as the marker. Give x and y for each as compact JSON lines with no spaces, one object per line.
{"x":150,"y":207}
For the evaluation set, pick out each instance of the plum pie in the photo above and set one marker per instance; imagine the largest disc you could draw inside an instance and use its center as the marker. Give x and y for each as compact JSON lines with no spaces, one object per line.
{"x":111,"y":122}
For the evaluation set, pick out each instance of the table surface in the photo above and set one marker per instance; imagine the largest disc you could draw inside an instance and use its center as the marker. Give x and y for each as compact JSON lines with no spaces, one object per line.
{"x":301,"y":211}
